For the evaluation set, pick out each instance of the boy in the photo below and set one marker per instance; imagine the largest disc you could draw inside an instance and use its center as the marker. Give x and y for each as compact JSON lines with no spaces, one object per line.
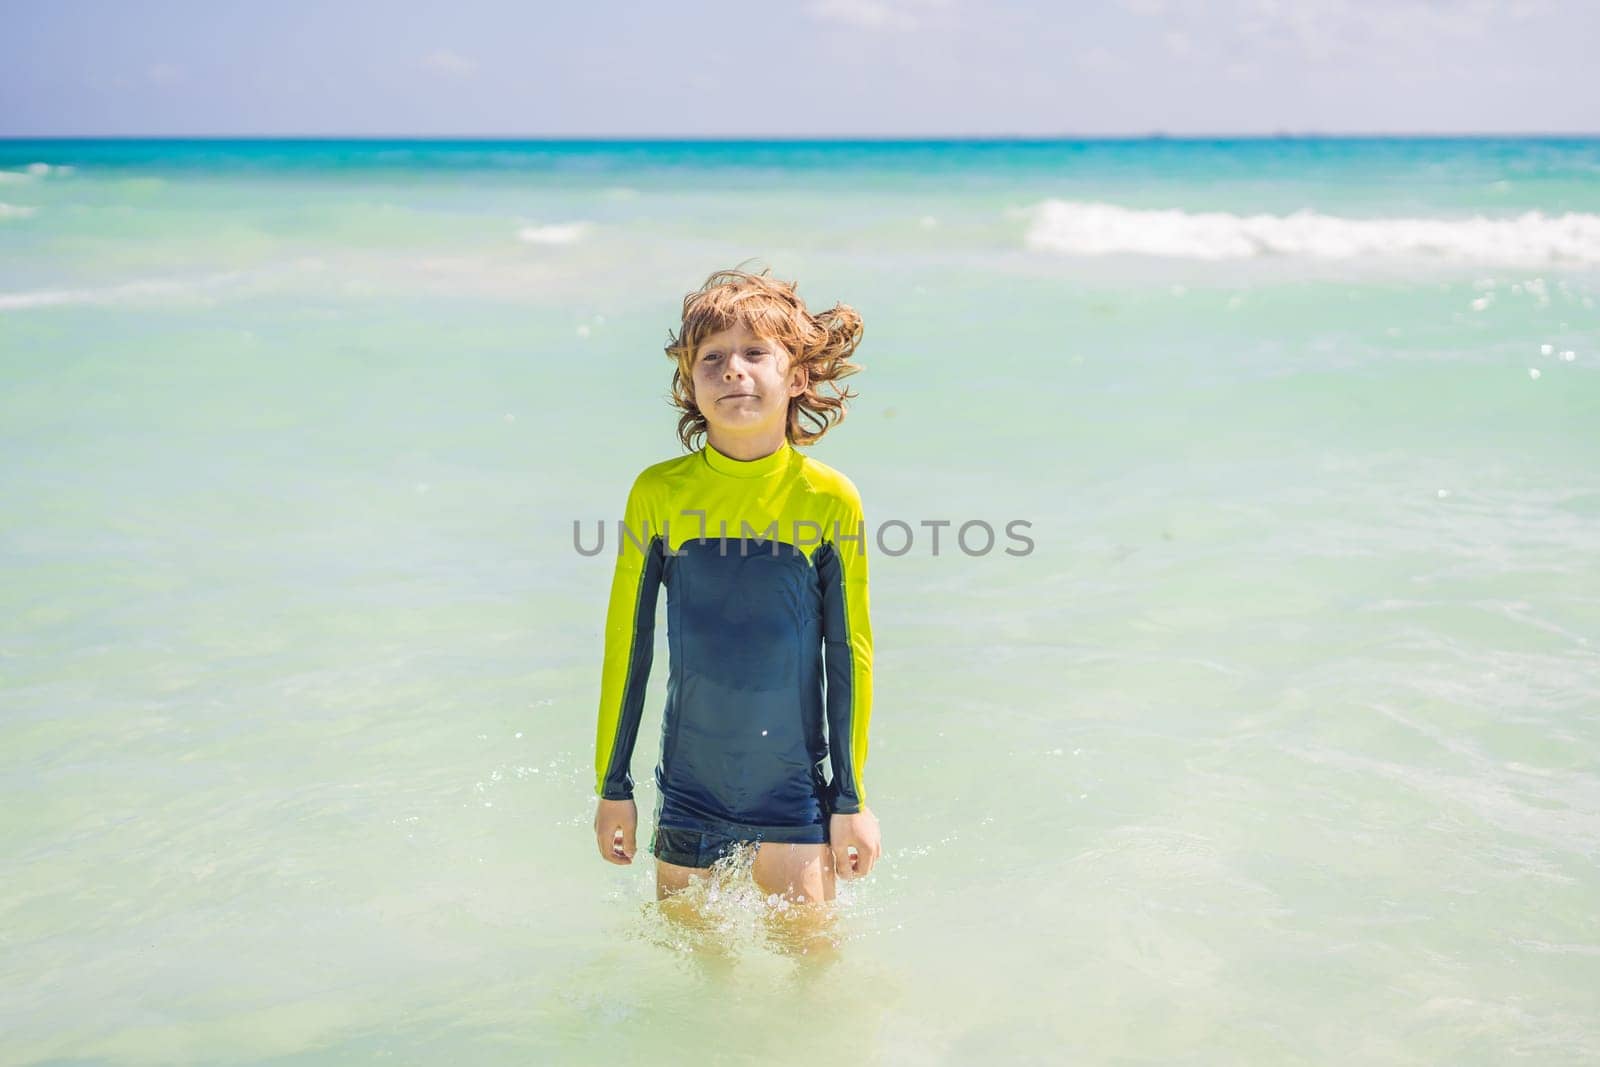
{"x":763,"y":553}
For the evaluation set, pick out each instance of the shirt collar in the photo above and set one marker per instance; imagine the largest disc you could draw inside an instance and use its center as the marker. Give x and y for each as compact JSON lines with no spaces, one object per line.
{"x":753,"y":468}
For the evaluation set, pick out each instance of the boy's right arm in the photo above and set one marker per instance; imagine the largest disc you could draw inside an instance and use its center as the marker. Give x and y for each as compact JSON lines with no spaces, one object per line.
{"x":629,"y":645}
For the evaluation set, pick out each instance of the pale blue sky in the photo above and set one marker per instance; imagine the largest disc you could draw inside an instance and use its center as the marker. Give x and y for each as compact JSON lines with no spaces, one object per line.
{"x":801,"y":68}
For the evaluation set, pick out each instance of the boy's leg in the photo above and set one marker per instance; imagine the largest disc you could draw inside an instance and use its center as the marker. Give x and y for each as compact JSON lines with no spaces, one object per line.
{"x":800,"y":874}
{"x":803,"y":876}
{"x":672,"y":878}
{"x":682,"y":910}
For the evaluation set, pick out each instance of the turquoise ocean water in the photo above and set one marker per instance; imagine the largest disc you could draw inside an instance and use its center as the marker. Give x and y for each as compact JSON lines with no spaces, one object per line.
{"x":1282,"y":745}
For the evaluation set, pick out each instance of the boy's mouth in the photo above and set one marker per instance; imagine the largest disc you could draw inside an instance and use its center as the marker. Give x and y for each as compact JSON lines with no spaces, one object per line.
{"x":739,"y":396}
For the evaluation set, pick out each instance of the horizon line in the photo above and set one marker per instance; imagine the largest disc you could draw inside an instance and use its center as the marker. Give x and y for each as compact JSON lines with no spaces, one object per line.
{"x":1153,"y":135}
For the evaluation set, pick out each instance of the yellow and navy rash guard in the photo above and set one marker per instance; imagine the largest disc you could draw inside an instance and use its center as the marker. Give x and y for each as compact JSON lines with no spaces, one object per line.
{"x":764,"y":562}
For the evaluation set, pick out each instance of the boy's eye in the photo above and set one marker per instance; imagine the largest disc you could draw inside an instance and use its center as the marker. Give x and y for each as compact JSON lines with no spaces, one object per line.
{"x":712,"y":357}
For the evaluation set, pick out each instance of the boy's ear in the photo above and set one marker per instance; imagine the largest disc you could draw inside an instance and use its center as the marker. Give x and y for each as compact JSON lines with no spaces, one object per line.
{"x":801,"y":379}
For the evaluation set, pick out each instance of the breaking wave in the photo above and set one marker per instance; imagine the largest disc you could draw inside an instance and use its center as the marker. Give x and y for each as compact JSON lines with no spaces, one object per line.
{"x":1092,"y":229}
{"x":565,"y":233}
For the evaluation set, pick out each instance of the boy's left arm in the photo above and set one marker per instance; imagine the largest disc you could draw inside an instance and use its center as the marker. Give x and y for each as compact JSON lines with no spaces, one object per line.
{"x":847,"y":653}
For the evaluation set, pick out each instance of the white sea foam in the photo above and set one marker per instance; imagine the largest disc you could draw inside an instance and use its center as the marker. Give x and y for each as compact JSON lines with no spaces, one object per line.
{"x":114,"y":294}
{"x":1091,"y":229}
{"x":35,"y":170}
{"x":15,"y":211}
{"x":564,"y":233}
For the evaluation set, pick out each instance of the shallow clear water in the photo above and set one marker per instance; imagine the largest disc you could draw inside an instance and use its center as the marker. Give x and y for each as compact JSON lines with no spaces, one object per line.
{"x":1281,"y":746}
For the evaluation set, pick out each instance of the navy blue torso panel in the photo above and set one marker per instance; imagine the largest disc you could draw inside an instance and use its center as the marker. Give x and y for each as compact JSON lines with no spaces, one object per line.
{"x":742,"y":732}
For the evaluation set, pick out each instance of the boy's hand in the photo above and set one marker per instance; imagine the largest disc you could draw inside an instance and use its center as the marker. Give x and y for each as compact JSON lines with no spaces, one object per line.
{"x":858,"y":831}
{"x":614,"y":824}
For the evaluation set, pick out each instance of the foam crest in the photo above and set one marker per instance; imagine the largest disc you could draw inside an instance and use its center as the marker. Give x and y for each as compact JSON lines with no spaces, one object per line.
{"x":1092,"y":229}
{"x":565,"y":233}
{"x":35,"y":170}
{"x":115,"y":294}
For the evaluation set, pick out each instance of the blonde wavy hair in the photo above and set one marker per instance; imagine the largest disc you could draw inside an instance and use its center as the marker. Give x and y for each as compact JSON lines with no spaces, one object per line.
{"x":822,"y":343}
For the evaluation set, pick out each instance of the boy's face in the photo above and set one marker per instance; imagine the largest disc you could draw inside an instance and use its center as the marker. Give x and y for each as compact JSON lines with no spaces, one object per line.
{"x":743,"y":382}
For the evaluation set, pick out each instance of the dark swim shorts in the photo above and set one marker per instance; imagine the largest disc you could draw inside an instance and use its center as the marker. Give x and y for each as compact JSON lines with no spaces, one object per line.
{"x":702,"y":846}
{"x":691,"y":848}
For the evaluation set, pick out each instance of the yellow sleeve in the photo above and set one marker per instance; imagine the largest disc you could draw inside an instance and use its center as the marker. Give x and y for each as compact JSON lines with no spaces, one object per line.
{"x":629,"y":643}
{"x":847,"y":652}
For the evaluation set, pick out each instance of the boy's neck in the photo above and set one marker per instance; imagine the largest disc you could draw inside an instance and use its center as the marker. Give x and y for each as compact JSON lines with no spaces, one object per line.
{"x":746,"y":447}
